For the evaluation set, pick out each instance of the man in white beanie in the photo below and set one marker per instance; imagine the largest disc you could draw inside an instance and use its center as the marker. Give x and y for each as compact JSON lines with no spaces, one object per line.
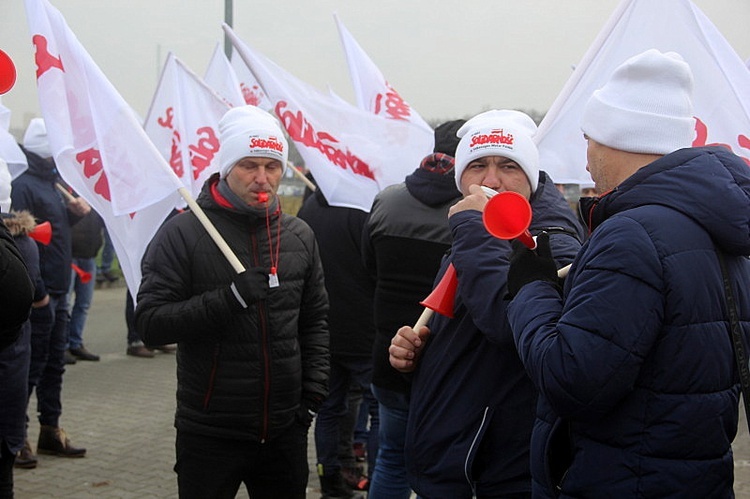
{"x":252,"y":348}
{"x":634,"y":357}
{"x":37,"y":191}
{"x":472,"y":405}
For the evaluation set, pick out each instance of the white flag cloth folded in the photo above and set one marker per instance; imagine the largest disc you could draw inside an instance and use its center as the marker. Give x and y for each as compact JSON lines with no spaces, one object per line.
{"x":352,"y":154}
{"x":220,"y":76}
{"x":722,"y":81}
{"x":183,"y":124}
{"x":97,"y":142}
{"x":10,"y":151}
{"x":372,"y":90}
{"x":251,"y":89}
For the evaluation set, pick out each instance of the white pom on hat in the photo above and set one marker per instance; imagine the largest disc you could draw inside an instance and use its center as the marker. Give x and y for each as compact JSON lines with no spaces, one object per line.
{"x":35,"y":139}
{"x":503,"y":133}
{"x":645,"y":107}
{"x":248,"y":131}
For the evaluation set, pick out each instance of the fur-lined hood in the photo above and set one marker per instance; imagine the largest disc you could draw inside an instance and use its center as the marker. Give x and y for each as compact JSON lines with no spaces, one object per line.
{"x":19,"y":223}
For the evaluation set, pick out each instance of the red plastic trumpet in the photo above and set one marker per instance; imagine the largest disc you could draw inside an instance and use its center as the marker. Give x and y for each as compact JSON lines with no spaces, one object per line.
{"x":7,"y":73}
{"x":82,"y":274}
{"x":42,"y":233}
{"x":508,"y":216}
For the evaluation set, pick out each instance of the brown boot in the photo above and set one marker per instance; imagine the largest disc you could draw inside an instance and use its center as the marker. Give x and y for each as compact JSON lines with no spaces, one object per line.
{"x":54,"y":441}
{"x":25,"y":458}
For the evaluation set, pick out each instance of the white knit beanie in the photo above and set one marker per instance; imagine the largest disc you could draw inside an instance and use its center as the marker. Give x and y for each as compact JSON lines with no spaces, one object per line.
{"x":35,"y":139}
{"x":248,"y":131}
{"x":503,"y":133}
{"x":645,"y":107}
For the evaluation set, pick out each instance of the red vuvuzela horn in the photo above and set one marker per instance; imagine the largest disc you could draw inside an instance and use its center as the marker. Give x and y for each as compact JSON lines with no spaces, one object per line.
{"x":42,"y":233}
{"x":441,"y":299}
{"x":85,"y":276}
{"x":7,"y":73}
{"x":508,"y":216}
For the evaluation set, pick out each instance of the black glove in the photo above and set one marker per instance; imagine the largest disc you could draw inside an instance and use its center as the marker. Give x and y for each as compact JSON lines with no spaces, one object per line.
{"x":305,"y":415}
{"x":528,"y":266}
{"x":250,"y":286}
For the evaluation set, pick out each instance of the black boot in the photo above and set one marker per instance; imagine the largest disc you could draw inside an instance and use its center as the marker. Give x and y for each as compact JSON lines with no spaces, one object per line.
{"x":333,"y":487}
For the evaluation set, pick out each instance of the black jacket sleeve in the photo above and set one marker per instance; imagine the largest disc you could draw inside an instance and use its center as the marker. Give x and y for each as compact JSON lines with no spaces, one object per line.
{"x":16,"y":290}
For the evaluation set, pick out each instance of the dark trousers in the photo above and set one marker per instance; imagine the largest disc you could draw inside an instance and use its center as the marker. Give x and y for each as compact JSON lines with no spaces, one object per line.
{"x":328,"y":428}
{"x":214,"y":467}
{"x":7,"y":458}
{"x":49,"y":340}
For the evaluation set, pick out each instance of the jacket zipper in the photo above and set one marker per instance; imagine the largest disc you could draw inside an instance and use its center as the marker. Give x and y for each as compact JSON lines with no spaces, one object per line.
{"x":212,"y":377}
{"x":264,"y":345}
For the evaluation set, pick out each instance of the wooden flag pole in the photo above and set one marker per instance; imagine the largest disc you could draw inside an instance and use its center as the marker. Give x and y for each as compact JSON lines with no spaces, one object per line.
{"x":301,"y":175}
{"x":220,"y":242}
{"x":68,"y":196}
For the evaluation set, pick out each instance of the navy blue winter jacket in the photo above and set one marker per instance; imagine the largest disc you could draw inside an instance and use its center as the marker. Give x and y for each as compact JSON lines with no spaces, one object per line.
{"x":472,"y":404}
{"x":637,"y":378}
{"x":35,"y":191}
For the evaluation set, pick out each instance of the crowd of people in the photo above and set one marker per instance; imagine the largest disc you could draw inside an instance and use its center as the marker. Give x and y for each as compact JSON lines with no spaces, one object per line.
{"x":605,"y":357}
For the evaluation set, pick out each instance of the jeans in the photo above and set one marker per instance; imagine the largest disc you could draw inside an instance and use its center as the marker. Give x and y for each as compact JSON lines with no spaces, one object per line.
{"x":84,"y":293}
{"x":388,"y":480}
{"x":49,"y":340}
{"x":216,"y":467}
{"x":108,"y":253}
{"x":335,"y":408}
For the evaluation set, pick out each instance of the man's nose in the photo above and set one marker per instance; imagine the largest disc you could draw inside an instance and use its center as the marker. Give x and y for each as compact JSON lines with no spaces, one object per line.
{"x":492,"y":178}
{"x":262,"y":175}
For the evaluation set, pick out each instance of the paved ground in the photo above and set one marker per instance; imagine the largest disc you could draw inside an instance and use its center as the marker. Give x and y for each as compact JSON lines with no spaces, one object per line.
{"x":121,"y":409}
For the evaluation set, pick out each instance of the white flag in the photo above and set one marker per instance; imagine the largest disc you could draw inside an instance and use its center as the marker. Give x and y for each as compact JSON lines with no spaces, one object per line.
{"x":9,"y":148}
{"x":372,"y":90}
{"x":252,"y":92}
{"x":352,"y":154}
{"x":722,"y":81}
{"x":183,"y":123}
{"x":221,"y":77}
{"x":98,"y":144}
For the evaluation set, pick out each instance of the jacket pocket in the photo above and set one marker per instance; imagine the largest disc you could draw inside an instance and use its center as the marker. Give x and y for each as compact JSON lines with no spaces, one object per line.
{"x":475,"y":445}
{"x":558,"y":455}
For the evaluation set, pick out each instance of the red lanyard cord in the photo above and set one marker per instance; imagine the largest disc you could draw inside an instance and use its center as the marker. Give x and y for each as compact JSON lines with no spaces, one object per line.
{"x":274,"y":259}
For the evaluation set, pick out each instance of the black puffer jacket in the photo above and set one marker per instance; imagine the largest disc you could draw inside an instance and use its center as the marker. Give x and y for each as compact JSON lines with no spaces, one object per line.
{"x":240,"y":374}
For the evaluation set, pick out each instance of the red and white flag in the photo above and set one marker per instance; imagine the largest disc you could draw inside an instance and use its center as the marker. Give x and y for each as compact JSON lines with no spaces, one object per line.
{"x":352,"y":154}
{"x":98,"y":145}
{"x":722,"y":81}
{"x":372,"y":91}
{"x":221,"y":77}
{"x":252,"y":92}
{"x":9,"y":148}
{"x":183,"y":124}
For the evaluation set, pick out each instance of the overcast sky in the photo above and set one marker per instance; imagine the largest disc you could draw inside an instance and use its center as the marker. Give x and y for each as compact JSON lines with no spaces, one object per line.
{"x":447,"y":58}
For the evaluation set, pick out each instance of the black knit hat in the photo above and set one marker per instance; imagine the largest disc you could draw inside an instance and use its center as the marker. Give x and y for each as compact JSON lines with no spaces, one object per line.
{"x":446,"y":140}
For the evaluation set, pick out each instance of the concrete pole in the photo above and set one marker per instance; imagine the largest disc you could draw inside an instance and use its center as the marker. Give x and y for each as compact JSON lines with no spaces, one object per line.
{"x":229,"y":19}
